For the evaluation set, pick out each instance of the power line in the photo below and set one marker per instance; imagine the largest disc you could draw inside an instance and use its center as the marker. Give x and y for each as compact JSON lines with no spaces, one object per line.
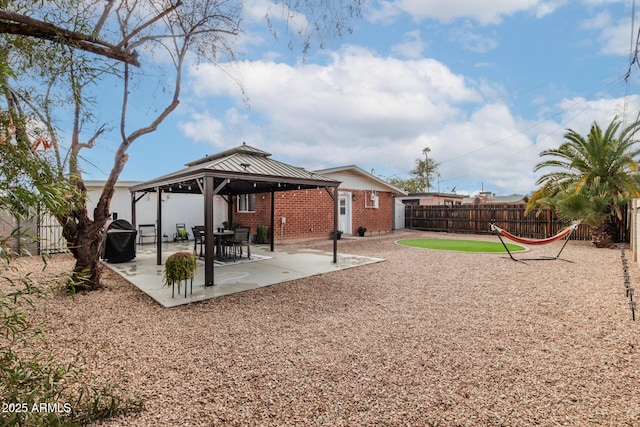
{"x":626,"y":86}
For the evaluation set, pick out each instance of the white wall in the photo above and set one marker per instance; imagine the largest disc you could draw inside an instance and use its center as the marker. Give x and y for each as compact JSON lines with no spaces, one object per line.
{"x":176,"y":208}
{"x":353,"y":181}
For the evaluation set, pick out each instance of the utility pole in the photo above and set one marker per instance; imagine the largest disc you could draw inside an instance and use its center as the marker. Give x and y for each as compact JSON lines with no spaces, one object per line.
{"x":426,"y":167}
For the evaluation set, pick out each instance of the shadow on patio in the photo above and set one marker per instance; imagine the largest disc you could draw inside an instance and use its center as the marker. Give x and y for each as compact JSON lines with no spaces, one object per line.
{"x":266,"y":268}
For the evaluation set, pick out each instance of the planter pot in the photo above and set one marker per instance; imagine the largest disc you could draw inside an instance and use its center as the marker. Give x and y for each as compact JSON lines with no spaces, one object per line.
{"x":179,"y":269}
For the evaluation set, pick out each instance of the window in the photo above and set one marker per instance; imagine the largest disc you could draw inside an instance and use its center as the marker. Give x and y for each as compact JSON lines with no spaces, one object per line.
{"x":246,"y":203}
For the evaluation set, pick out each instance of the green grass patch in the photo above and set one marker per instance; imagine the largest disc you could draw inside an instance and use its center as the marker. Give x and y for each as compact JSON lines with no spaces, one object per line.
{"x":460,"y":245}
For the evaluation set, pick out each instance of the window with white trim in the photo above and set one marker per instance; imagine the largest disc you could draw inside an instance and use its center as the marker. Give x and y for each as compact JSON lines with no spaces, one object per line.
{"x":246,"y":203}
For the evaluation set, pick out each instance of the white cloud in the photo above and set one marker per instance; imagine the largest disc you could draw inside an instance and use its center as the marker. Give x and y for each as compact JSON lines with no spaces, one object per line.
{"x":614,"y":37}
{"x":548,"y":7}
{"x":356,"y":90}
{"x":484,"y":12}
{"x":380,"y":112}
{"x":601,"y":111}
{"x":203,"y":127}
{"x":382,"y":12}
{"x":601,"y":2}
{"x":473,"y":40}
{"x":412,"y":45}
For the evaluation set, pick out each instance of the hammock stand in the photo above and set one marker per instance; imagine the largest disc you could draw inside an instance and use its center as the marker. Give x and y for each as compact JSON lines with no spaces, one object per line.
{"x":566,"y":233}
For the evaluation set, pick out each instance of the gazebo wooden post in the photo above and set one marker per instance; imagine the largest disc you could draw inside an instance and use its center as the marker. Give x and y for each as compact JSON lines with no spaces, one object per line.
{"x":335,"y":224}
{"x":230,"y":208}
{"x":134,"y":201}
{"x":273,"y":221}
{"x":335,"y":196}
{"x":159,"y":225}
{"x":208,"y":228}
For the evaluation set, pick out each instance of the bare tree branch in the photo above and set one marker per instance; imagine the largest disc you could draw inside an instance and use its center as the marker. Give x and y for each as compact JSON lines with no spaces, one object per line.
{"x":14,"y":23}
{"x":155,"y":19}
{"x":103,"y":17}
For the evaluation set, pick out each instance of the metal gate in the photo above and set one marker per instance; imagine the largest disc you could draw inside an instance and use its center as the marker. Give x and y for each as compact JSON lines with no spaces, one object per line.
{"x":50,"y":239}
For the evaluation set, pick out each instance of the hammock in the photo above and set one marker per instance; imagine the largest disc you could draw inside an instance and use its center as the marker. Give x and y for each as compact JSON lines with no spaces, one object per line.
{"x":566,"y":233}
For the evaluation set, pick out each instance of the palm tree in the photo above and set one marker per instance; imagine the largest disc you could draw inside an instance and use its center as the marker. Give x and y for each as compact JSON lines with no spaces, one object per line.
{"x":592,"y":178}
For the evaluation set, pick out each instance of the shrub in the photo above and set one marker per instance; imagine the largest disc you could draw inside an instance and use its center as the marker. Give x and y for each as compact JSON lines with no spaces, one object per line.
{"x":262,"y":233}
{"x":179,"y":267}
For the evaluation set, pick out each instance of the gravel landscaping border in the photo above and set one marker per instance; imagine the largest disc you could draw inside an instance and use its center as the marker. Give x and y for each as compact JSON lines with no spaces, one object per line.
{"x":424,"y":338}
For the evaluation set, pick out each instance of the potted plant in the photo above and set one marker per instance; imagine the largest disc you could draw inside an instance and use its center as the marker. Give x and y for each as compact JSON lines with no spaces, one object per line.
{"x":361,"y":231}
{"x":339,"y":234}
{"x":232,"y":226}
{"x":179,"y":268}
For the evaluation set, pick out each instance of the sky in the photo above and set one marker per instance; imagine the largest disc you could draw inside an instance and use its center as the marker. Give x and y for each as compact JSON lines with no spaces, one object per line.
{"x":486,"y":86}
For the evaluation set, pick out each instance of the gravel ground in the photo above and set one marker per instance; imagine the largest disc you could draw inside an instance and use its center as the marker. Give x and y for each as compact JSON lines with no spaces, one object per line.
{"x":424,"y":338}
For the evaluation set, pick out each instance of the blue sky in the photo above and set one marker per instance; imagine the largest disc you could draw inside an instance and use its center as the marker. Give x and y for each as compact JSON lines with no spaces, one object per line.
{"x":485,"y":85}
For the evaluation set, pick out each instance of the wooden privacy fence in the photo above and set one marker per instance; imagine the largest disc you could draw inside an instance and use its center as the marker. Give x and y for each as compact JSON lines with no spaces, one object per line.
{"x":476,"y":219}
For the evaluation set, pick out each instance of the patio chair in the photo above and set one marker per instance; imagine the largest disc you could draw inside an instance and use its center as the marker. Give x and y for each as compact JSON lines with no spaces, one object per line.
{"x":146,"y":230}
{"x":198,"y":238}
{"x":240,"y":239}
{"x":181,"y":233}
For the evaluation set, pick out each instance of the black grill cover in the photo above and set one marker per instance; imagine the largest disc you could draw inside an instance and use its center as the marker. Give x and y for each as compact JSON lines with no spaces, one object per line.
{"x":120,"y":245}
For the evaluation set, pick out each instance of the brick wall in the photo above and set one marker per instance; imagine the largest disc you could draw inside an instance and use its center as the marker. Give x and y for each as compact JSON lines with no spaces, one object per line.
{"x":309,"y":214}
{"x":376,"y":221}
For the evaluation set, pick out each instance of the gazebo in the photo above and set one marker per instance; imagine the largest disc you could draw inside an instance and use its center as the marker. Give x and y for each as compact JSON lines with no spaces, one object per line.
{"x":240,"y":170}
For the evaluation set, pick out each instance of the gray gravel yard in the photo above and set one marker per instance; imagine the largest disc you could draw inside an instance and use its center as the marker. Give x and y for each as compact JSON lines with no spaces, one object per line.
{"x":423,"y":338}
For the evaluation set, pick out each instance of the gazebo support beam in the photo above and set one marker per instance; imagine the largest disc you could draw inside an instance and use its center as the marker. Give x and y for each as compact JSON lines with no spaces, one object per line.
{"x":273,"y":222}
{"x":209,"y":193}
{"x":335,"y":225}
{"x":159,"y":229}
{"x":334,"y":196}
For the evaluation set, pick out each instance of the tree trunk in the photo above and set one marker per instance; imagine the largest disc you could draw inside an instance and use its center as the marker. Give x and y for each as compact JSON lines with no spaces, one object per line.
{"x":86,"y":246}
{"x":85,"y":240}
{"x":607,"y":233}
{"x":601,"y":236}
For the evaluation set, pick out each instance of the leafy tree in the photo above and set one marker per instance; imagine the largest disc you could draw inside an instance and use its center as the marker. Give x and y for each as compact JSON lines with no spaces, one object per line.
{"x":27,"y":175}
{"x":591,"y":178}
{"x":30,"y":374}
{"x":421,"y":175}
{"x":71,"y":47}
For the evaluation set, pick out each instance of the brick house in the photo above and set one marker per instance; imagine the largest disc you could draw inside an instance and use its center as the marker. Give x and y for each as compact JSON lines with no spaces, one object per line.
{"x":364,"y":200}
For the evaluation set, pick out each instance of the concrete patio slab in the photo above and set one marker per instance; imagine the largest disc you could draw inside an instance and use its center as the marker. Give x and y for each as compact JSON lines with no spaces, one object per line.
{"x":267,"y":268}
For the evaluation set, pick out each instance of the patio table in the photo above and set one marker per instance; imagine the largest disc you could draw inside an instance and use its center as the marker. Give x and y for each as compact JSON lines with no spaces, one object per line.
{"x":220,"y":237}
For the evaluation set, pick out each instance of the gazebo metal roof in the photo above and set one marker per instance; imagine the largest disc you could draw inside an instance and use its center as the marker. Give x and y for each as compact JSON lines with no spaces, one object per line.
{"x":247,"y":169}
{"x":239,"y":170}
